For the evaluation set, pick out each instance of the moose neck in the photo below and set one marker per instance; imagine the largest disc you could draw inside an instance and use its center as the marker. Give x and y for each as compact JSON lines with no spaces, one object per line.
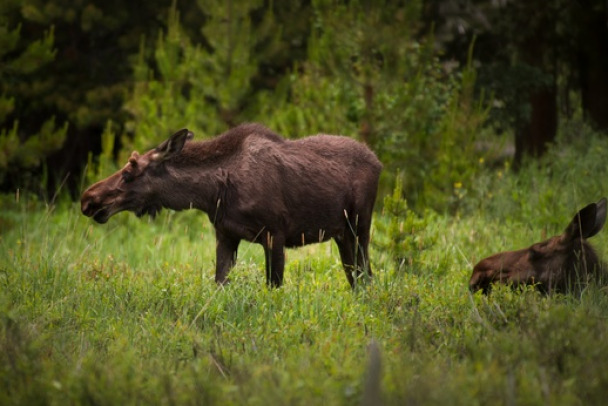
{"x":189,"y":184}
{"x":584,"y":259}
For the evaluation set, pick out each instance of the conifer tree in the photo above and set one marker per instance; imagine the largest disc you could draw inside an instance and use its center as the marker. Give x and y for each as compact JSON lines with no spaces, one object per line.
{"x":21,"y":62}
{"x":205,"y":86}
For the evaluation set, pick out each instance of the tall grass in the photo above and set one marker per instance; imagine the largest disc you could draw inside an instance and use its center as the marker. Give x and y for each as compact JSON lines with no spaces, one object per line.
{"x":128,"y":313}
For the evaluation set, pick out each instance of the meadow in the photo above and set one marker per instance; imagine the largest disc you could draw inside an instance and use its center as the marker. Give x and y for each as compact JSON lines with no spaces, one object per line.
{"x":128,"y":312}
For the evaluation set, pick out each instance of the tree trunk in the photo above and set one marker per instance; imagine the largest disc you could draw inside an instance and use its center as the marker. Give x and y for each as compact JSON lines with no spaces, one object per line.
{"x":533,"y":134}
{"x":366,"y":126}
{"x":593,"y":62}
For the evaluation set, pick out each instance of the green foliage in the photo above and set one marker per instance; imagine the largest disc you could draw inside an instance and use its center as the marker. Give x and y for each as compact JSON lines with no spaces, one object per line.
{"x":202,"y":86}
{"x":309,"y":103}
{"x":31,"y":152}
{"x":367,"y":69}
{"x":550,"y":189}
{"x":511,"y":94}
{"x":354,"y":63}
{"x":128,"y":312}
{"x":161,"y":102}
{"x":87,"y":81}
{"x":455,"y":163}
{"x":531,"y":61}
{"x":20,"y":151}
{"x":237,"y":47}
{"x":21,"y":61}
{"x":390,"y":90}
{"x":401,"y":233}
{"x":365,"y":75}
{"x":104,"y":164}
{"x":63,"y":62}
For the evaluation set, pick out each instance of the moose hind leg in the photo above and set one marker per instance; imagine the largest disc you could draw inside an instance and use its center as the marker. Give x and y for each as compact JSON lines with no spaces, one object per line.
{"x":347,"y":254}
{"x":363,"y":252}
{"x":354,"y":259}
{"x":354,"y":253}
{"x":274,"y":250}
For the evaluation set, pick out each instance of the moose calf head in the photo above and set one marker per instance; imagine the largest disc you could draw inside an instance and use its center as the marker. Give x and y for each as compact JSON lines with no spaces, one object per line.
{"x":563,"y":263}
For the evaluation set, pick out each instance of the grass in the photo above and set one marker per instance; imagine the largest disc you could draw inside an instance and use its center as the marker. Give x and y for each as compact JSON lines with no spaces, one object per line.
{"x":128,"y":313}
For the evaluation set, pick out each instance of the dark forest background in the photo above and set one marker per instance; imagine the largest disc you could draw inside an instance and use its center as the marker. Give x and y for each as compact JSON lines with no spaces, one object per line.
{"x":432,"y":86}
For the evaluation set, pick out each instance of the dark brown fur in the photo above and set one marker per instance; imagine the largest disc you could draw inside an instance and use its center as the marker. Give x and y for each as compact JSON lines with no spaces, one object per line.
{"x":255,"y":186}
{"x":564,"y":263}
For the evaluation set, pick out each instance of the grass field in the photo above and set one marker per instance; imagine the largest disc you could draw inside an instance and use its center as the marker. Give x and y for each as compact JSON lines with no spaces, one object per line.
{"x":128,"y":313}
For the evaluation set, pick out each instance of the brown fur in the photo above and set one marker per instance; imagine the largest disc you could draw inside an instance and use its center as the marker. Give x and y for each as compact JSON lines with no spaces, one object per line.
{"x":255,"y":186}
{"x":564,"y":263}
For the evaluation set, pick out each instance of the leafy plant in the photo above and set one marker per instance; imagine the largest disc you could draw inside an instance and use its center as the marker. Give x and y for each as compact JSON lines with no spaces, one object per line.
{"x":402,"y":235}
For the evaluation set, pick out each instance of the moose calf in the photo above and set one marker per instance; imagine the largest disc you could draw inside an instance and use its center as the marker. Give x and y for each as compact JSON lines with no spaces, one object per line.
{"x":564,"y":263}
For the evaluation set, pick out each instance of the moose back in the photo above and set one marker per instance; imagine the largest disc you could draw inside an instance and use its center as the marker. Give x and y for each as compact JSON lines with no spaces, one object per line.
{"x":255,"y":186}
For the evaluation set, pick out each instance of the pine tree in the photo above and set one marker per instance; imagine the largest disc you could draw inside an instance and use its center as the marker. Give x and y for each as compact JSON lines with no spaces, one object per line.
{"x":21,"y":63}
{"x":79,"y":73}
{"x":204,"y":86}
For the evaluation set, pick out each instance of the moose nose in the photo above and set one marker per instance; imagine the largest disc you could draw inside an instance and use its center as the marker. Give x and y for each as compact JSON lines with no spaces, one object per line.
{"x":481,"y":278}
{"x":473,"y":287}
{"x":86,"y":208}
{"x":87,"y":205}
{"x":474,"y":284}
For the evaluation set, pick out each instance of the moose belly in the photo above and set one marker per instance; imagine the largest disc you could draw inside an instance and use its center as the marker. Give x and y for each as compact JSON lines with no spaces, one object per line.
{"x":310,"y":237}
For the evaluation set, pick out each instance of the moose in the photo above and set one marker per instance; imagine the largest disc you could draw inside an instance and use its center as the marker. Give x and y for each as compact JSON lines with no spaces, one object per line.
{"x":256,"y":186}
{"x":561,"y":264}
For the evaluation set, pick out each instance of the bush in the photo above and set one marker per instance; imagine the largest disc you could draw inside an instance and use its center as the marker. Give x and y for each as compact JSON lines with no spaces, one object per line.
{"x":359,"y":78}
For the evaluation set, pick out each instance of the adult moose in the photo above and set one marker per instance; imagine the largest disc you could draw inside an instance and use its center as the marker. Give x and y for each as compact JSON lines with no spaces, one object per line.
{"x":255,"y":186}
{"x":564,"y":263}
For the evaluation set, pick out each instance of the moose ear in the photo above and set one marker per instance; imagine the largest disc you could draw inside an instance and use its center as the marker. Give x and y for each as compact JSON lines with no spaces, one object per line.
{"x":600,"y":216}
{"x":172,"y":146}
{"x":588,"y":221}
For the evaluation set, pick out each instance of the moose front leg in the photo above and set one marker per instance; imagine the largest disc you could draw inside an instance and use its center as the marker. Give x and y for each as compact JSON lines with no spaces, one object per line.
{"x":274,"y":250}
{"x":225,"y":256}
{"x":354,"y":255}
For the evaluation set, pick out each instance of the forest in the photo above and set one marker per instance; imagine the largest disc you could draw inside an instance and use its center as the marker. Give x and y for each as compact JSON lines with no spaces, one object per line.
{"x":431,"y":86}
{"x":490,"y":118}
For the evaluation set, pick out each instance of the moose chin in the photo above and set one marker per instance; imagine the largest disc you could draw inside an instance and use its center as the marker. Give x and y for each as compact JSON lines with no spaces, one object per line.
{"x":562,"y":264}
{"x":256,"y":186}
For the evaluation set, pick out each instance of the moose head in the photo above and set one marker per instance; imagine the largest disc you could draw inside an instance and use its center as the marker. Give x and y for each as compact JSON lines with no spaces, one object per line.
{"x":563,"y":263}
{"x":137,"y":187}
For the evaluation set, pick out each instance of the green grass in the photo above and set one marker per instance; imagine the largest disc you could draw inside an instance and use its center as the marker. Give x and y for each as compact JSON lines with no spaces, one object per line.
{"x":128,"y":313}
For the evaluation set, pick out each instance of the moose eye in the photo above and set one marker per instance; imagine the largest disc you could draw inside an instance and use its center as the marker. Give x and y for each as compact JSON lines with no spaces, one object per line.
{"x":534,"y":253}
{"x":127,"y":177}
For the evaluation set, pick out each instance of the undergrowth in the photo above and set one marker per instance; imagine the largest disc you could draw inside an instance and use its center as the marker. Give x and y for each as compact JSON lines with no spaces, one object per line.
{"x":128,"y":313}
